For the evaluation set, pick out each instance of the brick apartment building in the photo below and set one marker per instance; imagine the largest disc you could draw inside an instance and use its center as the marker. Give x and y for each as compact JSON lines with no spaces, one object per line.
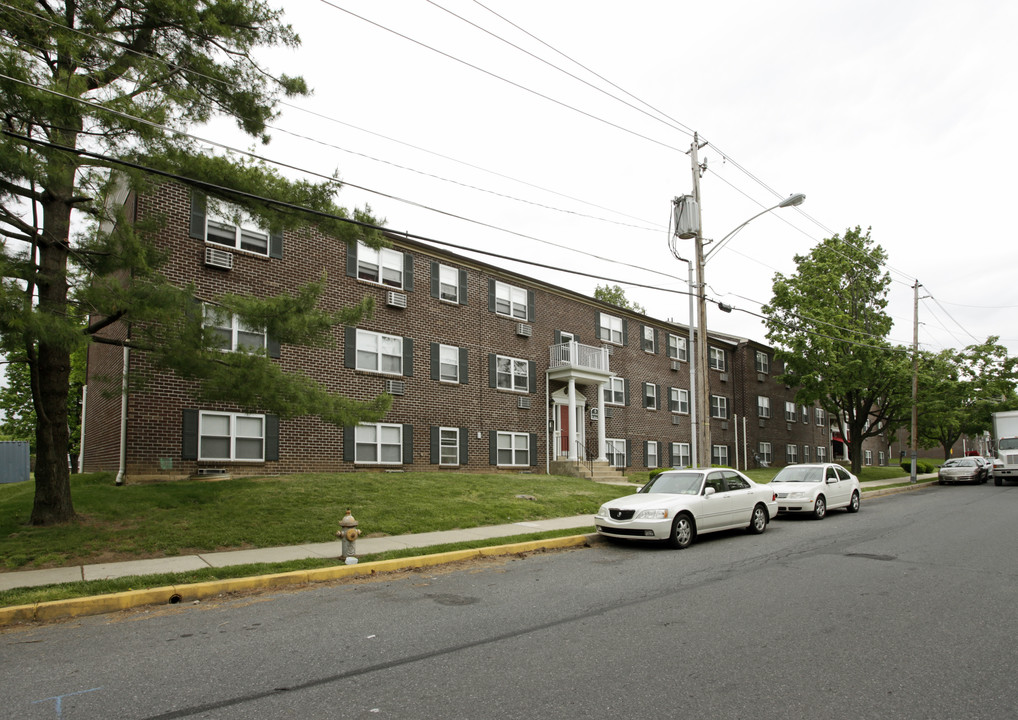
{"x":488,"y":369}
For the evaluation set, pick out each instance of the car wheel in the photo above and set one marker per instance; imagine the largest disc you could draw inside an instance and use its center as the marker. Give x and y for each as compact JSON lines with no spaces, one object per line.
{"x":682,"y":531}
{"x":853,"y":504}
{"x":941,"y":482}
{"x":998,"y":481}
{"x":758,"y":521}
{"x":819,"y":508}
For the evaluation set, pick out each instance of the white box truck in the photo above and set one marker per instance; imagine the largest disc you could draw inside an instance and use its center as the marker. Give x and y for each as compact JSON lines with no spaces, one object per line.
{"x":1005,"y":433}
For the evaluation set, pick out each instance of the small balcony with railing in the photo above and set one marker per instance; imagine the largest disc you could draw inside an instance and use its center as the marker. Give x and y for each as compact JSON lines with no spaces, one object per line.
{"x":582,"y":362}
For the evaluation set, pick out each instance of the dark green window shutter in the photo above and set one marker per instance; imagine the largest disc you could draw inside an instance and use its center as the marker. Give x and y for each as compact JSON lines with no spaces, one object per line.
{"x":625,"y":391}
{"x":464,"y":364}
{"x":350,"y":347}
{"x":625,"y":331}
{"x":435,"y":362}
{"x":434,"y":279}
{"x":408,"y":272}
{"x":629,"y":453}
{"x":189,"y":435}
{"x":668,"y":455}
{"x":408,"y":444}
{"x":659,"y":402}
{"x":646,"y":450}
{"x":272,"y":437}
{"x":530,"y":305}
{"x":351,"y":260}
{"x":196,"y":227}
{"x":276,"y":244}
{"x":272,"y":347}
{"x":491,"y":294}
{"x":408,"y":357}
{"x":492,"y":447}
{"x":434,"y":445}
{"x":463,"y":287}
{"x":348,"y":443}
{"x":464,"y":441}
{"x":532,"y":376}
{"x":558,"y":337}
{"x":597,"y":325}
{"x":533,"y":449}
{"x":492,"y":382}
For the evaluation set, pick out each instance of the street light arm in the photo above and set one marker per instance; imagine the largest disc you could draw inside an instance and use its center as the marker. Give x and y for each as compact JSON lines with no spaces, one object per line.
{"x":790,"y":201}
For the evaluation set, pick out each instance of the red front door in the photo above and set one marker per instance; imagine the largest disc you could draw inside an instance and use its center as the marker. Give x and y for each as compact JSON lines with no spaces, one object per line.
{"x":564,"y":427}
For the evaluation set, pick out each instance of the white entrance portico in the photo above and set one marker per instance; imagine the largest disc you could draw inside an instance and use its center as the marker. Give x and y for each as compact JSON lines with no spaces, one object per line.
{"x":582,"y":365}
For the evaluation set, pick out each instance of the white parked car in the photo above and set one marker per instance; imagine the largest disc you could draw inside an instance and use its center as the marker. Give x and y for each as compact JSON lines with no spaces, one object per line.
{"x":816,"y":489}
{"x":678,"y":505}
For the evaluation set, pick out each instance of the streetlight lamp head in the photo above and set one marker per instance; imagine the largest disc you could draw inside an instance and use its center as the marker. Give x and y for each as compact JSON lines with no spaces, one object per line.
{"x":791,"y":200}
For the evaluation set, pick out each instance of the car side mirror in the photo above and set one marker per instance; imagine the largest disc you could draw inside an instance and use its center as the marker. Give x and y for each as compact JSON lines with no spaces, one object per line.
{"x":708,"y":491}
{"x":831,"y":481}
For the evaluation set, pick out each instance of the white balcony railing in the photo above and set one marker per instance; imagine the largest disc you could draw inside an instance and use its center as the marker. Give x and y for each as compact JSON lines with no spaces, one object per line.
{"x":575,"y":355}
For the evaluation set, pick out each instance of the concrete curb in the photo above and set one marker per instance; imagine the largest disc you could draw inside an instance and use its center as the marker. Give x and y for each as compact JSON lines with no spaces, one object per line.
{"x":172,"y":594}
{"x":880,"y":492}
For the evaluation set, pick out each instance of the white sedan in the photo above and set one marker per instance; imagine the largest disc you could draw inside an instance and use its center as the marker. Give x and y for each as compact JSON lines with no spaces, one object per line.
{"x":816,"y":489}
{"x":678,"y":505}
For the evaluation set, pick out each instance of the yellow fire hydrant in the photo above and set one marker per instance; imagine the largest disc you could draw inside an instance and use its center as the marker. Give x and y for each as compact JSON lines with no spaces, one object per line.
{"x":348,"y":533}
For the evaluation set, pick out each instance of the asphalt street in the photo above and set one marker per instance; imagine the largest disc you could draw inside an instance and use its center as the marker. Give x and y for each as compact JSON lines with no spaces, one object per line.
{"x":905,"y":610}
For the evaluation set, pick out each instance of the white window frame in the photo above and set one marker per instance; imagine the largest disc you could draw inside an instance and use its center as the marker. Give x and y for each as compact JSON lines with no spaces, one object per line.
{"x":216,"y":318}
{"x":373,"y":344}
{"x":868,"y":457}
{"x":448,"y":284}
{"x":719,"y":455}
{"x":678,"y":348}
{"x":513,"y":299}
{"x":381,"y":442}
{"x":507,"y":371}
{"x":611,"y":329}
{"x":650,"y":395}
{"x":763,"y":406}
{"x":763,"y":363}
{"x":680,"y":398}
{"x":681,"y":455}
{"x":448,"y":446}
{"x":615,"y":387}
{"x":717,"y":359}
{"x":652,"y":452}
{"x":805,"y":453}
{"x":805,"y":415}
{"x":448,"y":357}
{"x":821,"y":454}
{"x":383,"y":266}
{"x":234,"y":434}
{"x":248,"y":234}
{"x":719,"y":403}
{"x":518,"y":446}
{"x":818,"y":413}
{"x":615,"y":448}
{"x":882,"y":459}
{"x":791,"y":454}
{"x":648,"y":339}
{"x":791,"y":412}
{"x":763,"y":449}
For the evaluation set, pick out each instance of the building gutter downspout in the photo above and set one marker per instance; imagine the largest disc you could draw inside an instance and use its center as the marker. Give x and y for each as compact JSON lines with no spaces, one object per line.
{"x":123,"y":418}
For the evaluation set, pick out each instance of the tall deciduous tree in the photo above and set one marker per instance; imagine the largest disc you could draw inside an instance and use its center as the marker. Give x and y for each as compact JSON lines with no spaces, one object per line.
{"x":829,"y":325}
{"x":117,"y":78}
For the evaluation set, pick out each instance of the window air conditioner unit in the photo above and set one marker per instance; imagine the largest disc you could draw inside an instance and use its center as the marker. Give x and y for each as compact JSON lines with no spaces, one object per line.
{"x":760,"y":377}
{"x":611,"y":349}
{"x":523,"y":330}
{"x":676,"y":420}
{"x":395,"y":299}
{"x":763,"y":423}
{"x":675,"y":365}
{"x":723,"y":377}
{"x":214,"y":257}
{"x":594,"y":413}
{"x":395,"y":387}
{"x":523,"y":403}
{"x":608,"y":412}
{"x":724,"y":425}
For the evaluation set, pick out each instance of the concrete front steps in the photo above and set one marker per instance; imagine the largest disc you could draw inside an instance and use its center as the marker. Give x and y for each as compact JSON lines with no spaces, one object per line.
{"x":602,"y":471}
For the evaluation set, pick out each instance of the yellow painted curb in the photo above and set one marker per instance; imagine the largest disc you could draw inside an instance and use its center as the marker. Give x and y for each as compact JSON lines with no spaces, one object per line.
{"x":113,"y":602}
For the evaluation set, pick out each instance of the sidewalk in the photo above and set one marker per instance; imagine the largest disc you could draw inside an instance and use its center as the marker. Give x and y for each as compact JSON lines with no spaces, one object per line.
{"x":365,"y":546}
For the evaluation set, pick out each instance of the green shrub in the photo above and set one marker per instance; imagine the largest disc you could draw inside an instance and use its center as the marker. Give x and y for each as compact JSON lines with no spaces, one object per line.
{"x":922,"y":467}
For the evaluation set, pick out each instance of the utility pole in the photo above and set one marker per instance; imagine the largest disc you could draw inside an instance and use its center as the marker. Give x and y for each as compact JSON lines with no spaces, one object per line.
{"x":915,"y":378}
{"x":703,"y":443}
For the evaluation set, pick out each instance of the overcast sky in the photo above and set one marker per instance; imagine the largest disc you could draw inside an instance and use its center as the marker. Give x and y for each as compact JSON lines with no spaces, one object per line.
{"x":897,"y":115}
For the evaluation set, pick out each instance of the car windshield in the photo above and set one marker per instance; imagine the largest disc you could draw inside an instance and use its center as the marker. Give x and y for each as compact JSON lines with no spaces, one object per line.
{"x":800,"y":474}
{"x":1007,"y":444}
{"x":675,"y":483}
{"x":960,"y":462}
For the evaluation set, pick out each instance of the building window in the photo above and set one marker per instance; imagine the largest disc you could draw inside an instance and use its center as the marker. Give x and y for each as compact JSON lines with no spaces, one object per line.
{"x":652,"y":454}
{"x":231,"y":333}
{"x":678,"y":400}
{"x":239,"y":231}
{"x":883,"y":459}
{"x":231,"y":436}
{"x":378,"y":444}
{"x":869,"y":457}
{"x":650,"y":396}
{"x":510,"y":301}
{"x":448,"y":284}
{"x":677,"y":349}
{"x":763,"y":364}
{"x":680,"y":455}
{"x":611,"y":329}
{"x":719,"y":455}
{"x":615,"y":391}
{"x":821,"y":454}
{"x":763,"y":450}
{"x":805,"y":414}
{"x":805,"y":453}
{"x":763,"y":406}
{"x":649,"y":339}
{"x":719,"y":407}
{"x":448,"y":446}
{"x":717,"y":359}
{"x":513,"y":449}
{"x":381,"y":265}
{"x":615,"y":450}
{"x":819,"y":414}
{"x":790,"y":411}
{"x":449,"y":363}
{"x":512,"y":374}
{"x":791,"y":454}
{"x":377,"y":352}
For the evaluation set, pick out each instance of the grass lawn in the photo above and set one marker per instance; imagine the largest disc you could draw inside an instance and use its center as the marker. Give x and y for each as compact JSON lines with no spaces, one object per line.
{"x":185,"y":517}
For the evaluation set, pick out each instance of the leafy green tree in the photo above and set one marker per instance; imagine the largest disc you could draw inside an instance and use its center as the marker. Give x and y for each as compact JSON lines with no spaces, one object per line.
{"x":83,"y":82}
{"x":829,"y":326}
{"x":615,"y":295}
